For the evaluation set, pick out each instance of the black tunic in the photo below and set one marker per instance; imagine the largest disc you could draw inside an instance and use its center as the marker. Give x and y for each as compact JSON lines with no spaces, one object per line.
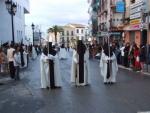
{"x":51,"y":67}
{"x":81,"y":51}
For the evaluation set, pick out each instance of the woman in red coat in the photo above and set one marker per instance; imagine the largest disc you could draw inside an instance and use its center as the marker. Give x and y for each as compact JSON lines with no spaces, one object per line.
{"x":137,"y":65}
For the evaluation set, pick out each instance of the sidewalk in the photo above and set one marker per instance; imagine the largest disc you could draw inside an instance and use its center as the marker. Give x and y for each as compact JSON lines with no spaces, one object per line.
{"x":143,"y":72}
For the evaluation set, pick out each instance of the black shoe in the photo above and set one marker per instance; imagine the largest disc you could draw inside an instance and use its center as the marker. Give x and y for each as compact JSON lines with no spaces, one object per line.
{"x":57,"y":87}
{"x":47,"y":88}
{"x":111,"y":83}
{"x":1,"y":84}
{"x":105,"y":83}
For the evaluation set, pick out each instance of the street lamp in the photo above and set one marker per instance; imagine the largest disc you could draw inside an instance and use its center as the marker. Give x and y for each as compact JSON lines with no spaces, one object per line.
{"x":40,"y":35}
{"x":12,"y":8}
{"x":33,"y":27}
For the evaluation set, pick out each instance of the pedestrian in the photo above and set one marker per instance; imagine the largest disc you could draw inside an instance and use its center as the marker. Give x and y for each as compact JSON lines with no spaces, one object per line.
{"x":44,"y":67}
{"x":3,"y":61}
{"x":25,"y":56}
{"x":126,"y":55}
{"x":22,"y":55}
{"x":62,"y":52}
{"x":122,"y":54}
{"x":108,"y":65}
{"x":80,"y":69}
{"x":137,"y":65}
{"x":68,"y":48}
{"x":142,"y":56}
{"x":17,"y":62}
{"x":10,"y":57}
{"x":34,"y":53}
{"x":54,"y":70}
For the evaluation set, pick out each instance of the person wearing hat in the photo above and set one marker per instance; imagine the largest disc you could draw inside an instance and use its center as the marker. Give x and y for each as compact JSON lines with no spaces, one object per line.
{"x":44,"y":67}
{"x":108,"y":65}
{"x":54,"y":71}
{"x":62,"y":52}
{"x":80,"y":71}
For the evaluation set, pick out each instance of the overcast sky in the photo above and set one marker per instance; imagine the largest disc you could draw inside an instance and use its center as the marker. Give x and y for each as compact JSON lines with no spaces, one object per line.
{"x":57,"y":12}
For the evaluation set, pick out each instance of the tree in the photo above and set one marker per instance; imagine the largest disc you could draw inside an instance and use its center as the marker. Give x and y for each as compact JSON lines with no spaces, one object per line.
{"x":55,"y":29}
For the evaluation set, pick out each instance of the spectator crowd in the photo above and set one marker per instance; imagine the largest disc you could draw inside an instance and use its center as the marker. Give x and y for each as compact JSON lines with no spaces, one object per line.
{"x":14,"y":57}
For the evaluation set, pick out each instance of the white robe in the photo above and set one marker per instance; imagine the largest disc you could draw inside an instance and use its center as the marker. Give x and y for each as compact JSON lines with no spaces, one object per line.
{"x":25,"y":59}
{"x":34,"y":54}
{"x":103,"y":67}
{"x":57,"y":76}
{"x":75,"y":69}
{"x":62,"y":53}
{"x":25,"y":56}
{"x":44,"y":71}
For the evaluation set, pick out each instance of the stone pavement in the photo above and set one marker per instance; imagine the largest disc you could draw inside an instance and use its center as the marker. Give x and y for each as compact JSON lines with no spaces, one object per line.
{"x":129,"y":95}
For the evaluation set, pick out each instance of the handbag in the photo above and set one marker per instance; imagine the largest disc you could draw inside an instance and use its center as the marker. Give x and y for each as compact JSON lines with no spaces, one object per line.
{"x":137,"y":59}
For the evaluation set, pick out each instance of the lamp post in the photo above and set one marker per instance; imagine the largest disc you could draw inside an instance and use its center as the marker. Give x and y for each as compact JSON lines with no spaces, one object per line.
{"x":40,"y":36}
{"x":33,"y":27}
{"x":12,"y":8}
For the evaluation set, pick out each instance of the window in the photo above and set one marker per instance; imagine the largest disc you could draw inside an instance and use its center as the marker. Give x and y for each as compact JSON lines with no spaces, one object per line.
{"x":67,"y":33}
{"x":72,"y":33}
{"x":82,"y":31}
{"x":63,"y":33}
{"x":132,"y":1}
{"x":77,"y":30}
{"x":67,"y":39}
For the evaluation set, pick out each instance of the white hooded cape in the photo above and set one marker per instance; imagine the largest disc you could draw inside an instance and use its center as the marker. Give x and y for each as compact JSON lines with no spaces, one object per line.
{"x":103,"y":67}
{"x":75,"y":69}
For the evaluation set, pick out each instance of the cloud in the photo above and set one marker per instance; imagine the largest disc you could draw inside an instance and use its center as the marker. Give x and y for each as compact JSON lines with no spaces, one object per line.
{"x":59,"y":12}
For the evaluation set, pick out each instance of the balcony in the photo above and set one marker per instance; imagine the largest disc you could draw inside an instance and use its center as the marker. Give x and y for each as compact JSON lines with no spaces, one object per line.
{"x":112,"y":3}
{"x":26,"y":6}
{"x":127,"y":13}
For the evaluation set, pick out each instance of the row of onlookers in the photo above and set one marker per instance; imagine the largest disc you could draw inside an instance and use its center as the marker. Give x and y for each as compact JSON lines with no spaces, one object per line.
{"x":16,"y":56}
{"x":128,"y":55}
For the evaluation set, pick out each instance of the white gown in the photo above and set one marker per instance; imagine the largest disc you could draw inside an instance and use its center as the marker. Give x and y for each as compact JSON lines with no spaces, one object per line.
{"x":34,"y":54}
{"x":25,"y":54}
{"x":57,"y":76}
{"x":75,"y":69}
{"x":103,"y":67}
{"x":44,"y":64}
{"x":62,"y":53}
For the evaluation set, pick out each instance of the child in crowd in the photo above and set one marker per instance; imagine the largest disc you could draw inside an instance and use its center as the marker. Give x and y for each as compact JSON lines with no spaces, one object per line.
{"x":17,"y":62}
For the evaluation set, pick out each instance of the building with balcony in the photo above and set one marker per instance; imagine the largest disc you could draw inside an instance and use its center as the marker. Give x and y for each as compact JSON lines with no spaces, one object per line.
{"x":19,"y":21}
{"x":110,"y":19}
{"x":136,"y":22}
{"x":72,"y":32}
{"x":93,"y":12}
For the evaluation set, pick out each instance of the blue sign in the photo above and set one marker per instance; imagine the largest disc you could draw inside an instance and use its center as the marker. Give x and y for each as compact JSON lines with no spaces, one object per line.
{"x":120,"y":7}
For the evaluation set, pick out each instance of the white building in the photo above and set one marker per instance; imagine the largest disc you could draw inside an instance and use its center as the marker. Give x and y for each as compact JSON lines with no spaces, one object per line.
{"x":19,"y":21}
{"x":73,"y":32}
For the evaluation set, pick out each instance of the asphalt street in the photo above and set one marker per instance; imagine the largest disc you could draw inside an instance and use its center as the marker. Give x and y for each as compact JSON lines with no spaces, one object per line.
{"x":131,"y":93}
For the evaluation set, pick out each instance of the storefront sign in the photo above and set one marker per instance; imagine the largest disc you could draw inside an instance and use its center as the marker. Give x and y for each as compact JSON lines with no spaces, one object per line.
{"x":136,"y":4}
{"x":120,"y":7}
{"x":135,"y":21}
{"x":104,"y":33}
{"x":136,"y":15}
{"x":135,"y":27}
{"x":115,"y":33}
{"x":135,"y":9}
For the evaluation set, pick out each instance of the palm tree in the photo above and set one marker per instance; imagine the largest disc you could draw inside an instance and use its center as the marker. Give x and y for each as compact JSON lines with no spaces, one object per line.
{"x":55,"y":29}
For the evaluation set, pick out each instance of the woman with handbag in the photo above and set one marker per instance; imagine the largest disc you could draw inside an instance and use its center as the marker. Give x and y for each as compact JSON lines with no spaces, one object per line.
{"x":137,"y":65}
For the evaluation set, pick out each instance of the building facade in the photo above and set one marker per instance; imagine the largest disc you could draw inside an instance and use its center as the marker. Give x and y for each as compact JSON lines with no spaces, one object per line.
{"x":110,"y":19}
{"x":19,"y":21}
{"x":123,"y":20}
{"x":137,"y":24}
{"x":73,"y":32}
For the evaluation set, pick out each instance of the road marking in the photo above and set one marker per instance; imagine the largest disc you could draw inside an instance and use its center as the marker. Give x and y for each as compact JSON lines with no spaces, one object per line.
{"x":144,"y":112}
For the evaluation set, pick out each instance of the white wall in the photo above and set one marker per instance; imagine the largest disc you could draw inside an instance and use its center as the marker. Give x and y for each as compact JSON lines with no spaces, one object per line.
{"x":19,"y":21}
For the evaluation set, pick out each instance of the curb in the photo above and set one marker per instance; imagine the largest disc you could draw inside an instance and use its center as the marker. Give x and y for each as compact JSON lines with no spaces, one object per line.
{"x":129,"y":69}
